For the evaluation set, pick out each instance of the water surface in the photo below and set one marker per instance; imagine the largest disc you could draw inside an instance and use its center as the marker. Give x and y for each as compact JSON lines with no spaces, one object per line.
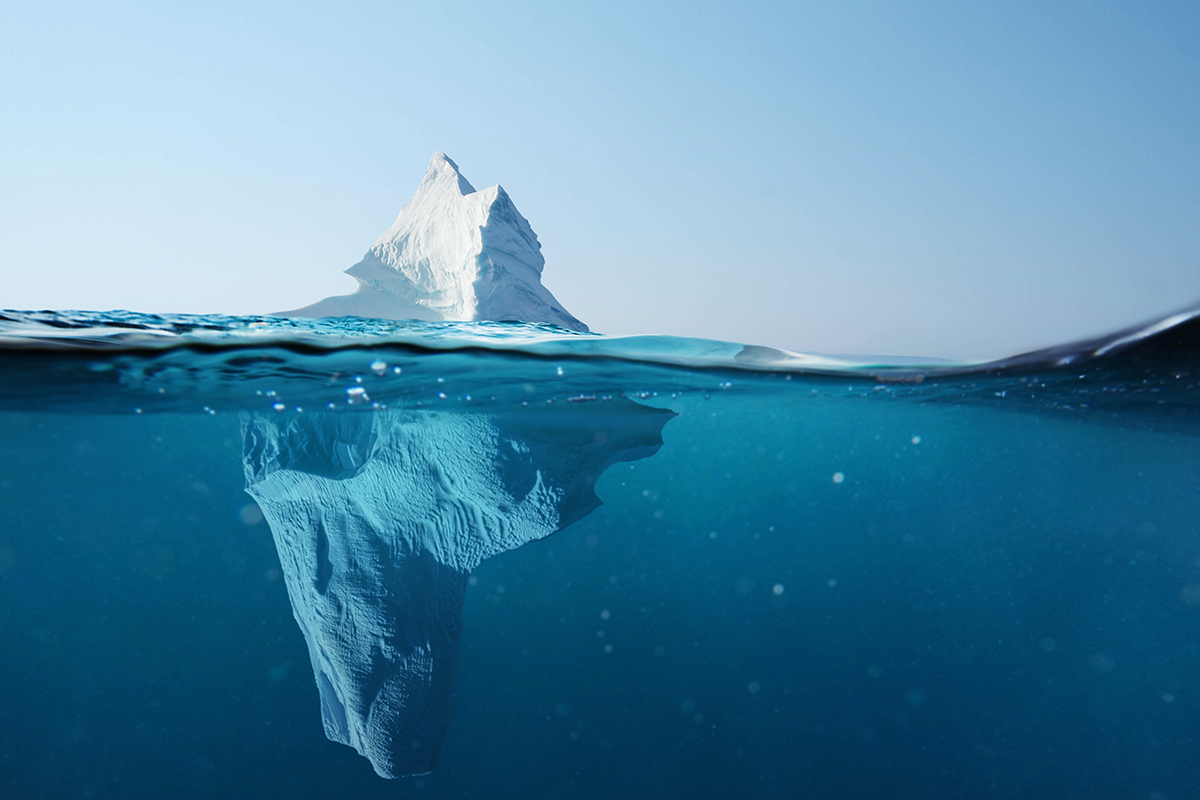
{"x":834,"y":579}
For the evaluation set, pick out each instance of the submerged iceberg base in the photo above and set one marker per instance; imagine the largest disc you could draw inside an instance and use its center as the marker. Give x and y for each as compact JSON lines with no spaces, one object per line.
{"x":379,"y":519}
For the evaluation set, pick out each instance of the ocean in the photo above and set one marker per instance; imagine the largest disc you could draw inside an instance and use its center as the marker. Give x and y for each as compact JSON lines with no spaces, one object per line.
{"x":613,"y":566}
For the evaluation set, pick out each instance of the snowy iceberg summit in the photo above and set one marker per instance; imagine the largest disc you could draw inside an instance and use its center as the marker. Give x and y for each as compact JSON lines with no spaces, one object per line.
{"x":379,"y":519}
{"x":454,"y":253}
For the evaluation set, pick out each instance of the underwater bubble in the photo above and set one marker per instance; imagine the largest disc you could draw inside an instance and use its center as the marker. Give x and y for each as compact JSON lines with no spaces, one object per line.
{"x":250,"y":514}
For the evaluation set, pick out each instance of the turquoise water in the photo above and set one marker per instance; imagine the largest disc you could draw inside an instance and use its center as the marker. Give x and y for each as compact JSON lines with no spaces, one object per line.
{"x":832,"y":579}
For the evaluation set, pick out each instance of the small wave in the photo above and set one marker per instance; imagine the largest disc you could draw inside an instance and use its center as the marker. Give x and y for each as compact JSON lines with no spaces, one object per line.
{"x":122,"y":362}
{"x":1175,"y":337}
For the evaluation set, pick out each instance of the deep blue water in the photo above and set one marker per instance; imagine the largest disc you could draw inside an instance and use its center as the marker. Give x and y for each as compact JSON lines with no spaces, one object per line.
{"x":832,"y":580}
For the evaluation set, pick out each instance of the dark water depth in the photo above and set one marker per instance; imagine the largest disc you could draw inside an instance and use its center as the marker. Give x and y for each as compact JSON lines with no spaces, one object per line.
{"x":831,"y":582}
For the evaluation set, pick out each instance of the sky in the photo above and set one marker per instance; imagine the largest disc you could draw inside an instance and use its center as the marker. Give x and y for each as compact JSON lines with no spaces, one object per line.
{"x":960,"y":180}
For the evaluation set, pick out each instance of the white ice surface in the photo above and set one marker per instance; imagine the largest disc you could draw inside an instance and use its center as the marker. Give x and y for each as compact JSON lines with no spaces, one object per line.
{"x":453,"y":253}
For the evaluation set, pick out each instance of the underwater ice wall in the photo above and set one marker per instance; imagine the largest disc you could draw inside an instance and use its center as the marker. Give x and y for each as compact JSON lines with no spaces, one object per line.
{"x":379,"y":518}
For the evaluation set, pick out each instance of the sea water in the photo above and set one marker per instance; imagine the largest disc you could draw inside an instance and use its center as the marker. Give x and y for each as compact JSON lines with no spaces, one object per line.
{"x":832,"y":579}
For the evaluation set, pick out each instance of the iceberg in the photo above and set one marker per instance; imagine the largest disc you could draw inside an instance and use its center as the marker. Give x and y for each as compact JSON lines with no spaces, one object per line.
{"x":379,"y":518}
{"x":452,"y":254}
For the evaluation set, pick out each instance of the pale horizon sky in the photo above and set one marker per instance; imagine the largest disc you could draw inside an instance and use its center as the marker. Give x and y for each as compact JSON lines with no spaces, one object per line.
{"x":938,"y":179}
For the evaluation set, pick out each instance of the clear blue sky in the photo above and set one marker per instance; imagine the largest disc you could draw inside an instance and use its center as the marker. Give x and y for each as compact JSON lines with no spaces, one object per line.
{"x":948,"y":179}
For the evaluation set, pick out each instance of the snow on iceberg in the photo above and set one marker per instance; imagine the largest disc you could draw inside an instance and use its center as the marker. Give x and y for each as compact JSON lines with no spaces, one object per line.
{"x":379,"y":519}
{"x":454,"y":253}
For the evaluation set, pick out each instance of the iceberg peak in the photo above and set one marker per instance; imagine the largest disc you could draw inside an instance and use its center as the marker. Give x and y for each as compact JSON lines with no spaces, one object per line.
{"x":453,"y":253}
{"x":443,"y":170}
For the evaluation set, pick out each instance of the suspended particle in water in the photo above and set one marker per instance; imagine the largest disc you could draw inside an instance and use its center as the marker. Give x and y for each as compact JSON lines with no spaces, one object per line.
{"x":916,"y":440}
{"x":777,"y":588}
{"x":838,"y":477}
